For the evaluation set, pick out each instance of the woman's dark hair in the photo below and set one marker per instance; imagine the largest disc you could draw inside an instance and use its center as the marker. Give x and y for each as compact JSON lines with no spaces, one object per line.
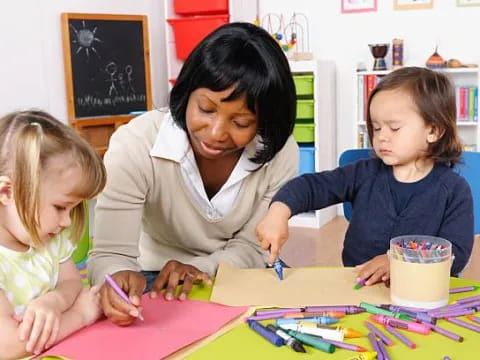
{"x":434,"y":97}
{"x":246,"y":57}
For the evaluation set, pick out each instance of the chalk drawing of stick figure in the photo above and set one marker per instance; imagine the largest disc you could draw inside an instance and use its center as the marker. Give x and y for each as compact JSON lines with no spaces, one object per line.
{"x":111,"y":70}
{"x":129,"y":71}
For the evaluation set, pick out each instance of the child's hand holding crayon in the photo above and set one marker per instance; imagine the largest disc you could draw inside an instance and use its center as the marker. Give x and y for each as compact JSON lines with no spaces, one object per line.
{"x":375,"y":270}
{"x":272,"y":231}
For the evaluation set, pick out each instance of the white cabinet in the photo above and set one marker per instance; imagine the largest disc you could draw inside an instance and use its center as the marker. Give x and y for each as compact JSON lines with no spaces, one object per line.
{"x":466,"y":81}
{"x":324,"y":100}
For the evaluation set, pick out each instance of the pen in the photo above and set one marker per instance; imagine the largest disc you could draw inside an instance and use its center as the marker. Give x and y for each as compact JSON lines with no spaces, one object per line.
{"x":120,"y":292}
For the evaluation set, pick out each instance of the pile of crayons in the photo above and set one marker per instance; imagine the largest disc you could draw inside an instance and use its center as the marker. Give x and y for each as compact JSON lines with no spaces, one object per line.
{"x":317,"y":326}
{"x":419,"y":250}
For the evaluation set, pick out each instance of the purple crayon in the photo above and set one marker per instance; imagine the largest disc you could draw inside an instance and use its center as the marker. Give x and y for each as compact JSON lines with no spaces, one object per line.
{"x":280,"y":311}
{"x":360,"y":284}
{"x":374,"y":343}
{"x":348,"y":309}
{"x":265,"y":317}
{"x":463,"y":289}
{"x":401,"y":337}
{"x":473,"y":318}
{"x":446,"y":333}
{"x":378,"y":333}
{"x":383,"y":350}
{"x":452,"y":313}
{"x":468,"y":299}
{"x":463,"y":324}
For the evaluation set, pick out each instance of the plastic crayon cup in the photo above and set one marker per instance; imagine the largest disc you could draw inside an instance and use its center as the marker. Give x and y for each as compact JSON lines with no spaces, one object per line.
{"x":420,"y":271}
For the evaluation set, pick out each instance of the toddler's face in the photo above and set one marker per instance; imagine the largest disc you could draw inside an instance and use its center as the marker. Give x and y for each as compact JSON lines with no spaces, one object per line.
{"x":400,"y":135}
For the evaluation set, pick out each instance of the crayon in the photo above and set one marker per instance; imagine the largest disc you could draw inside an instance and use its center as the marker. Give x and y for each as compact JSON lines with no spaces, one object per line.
{"x":369,"y":355}
{"x":401,"y":337}
{"x":374,"y":343}
{"x":445,"y":333}
{"x":278,"y":311}
{"x":383,"y":350}
{"x":401,"y":324}
{"x":333,"y":314}
{"x":265,"y":333}
{"x":277,"y":265}
{"x":473,"y":318}
{"x":290,"y":341}
{"x":348,"y":309}
{"x":310,"y":330}
{"x":346,"y":346}
{"x":463,"y":324}
{"x":312,"y":341}
{"x":360,"y":284}
{"x":463,"y":289}
{"x":120,"y":292}
{"x":378,"y":333}
{"x":321,"y":320}
{"x":347,"y":332}
{"x":372,"y":309}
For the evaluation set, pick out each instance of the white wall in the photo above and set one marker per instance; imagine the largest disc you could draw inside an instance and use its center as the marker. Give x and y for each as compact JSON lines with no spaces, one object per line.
{"x":343,"y":38}
{"x":31,"y":55}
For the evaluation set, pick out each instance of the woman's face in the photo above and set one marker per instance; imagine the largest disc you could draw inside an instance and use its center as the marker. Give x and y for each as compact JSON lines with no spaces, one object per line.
{"x":217,"y":128}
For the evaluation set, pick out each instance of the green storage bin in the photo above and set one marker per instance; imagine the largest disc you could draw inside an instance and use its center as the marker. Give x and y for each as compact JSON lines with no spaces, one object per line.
{"x":303,"y":85}
{"x":305,"y":109}
{"x":304,"y":132}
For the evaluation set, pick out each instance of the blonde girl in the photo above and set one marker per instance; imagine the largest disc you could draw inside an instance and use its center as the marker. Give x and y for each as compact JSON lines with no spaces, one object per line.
{"x":46,"y":173}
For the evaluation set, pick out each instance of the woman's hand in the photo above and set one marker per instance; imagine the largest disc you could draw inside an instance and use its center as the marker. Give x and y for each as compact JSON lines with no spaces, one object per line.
{"x":40,"y":323}
{"x":170,"y":276}
{"x":375,"y":270}
{"x":272,"y":230}
{"x":114,"y":307}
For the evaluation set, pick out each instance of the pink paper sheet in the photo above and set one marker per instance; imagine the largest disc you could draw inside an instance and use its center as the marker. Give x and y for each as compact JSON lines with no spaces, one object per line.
{"x":168,"y":326}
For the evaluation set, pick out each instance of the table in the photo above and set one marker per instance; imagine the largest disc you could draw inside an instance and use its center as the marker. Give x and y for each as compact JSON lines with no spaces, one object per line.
{"x":243,"y":343}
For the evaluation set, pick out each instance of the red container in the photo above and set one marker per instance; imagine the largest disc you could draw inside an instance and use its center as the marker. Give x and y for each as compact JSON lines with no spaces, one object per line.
{"x":190,"y":31}
{"x":200,"y":7}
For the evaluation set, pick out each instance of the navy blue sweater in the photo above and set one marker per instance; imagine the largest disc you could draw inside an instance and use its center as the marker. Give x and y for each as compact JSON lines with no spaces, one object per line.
{"x":445,"y":209}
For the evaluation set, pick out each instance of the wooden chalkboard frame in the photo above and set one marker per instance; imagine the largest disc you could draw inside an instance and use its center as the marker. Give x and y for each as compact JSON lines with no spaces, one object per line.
{"x":98,"y":129}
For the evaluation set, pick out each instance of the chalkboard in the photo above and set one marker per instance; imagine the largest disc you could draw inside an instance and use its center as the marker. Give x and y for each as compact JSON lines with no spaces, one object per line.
{"x":107,"y":65}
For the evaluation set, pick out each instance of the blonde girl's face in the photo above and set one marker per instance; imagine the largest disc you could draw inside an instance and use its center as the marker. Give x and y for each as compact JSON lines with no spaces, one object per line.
{"x":400,"y":135}
{"x":58,"y":182}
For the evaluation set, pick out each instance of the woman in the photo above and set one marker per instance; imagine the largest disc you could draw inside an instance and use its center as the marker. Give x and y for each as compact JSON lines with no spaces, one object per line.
{"x":186,"y":188}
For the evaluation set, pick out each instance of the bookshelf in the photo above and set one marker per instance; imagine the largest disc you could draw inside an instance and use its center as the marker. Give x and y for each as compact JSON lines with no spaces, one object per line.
{"x":324,"y":115}
{"x":466,"y":81}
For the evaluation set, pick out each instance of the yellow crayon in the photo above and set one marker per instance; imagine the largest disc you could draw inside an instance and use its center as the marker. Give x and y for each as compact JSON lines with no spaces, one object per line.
{"x":369,"y":355}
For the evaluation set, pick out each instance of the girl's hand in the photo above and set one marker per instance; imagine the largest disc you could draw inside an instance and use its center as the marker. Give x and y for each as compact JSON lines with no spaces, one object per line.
{"x":114,"y":307}
{"x":170,"y":276}
{"x":272,"y":230}
{"x":375,"y":270}
{"x":40,"y":323}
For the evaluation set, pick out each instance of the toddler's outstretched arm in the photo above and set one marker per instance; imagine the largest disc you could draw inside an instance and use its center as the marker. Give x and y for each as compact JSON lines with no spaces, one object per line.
{"x":272,"y":230}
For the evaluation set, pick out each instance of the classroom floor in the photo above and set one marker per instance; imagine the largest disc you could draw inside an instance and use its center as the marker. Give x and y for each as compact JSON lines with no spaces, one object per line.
{"x":309,"y":247}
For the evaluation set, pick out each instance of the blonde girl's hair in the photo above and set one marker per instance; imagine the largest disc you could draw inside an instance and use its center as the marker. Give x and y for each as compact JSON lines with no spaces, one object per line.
{"x":28,"y":140}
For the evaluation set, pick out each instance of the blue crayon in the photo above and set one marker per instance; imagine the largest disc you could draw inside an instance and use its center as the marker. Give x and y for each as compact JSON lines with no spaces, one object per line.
{"x":266,"y":333}
{"x":321,"y":320}
{"x":290,"y":341}
{"x":277,"y":265}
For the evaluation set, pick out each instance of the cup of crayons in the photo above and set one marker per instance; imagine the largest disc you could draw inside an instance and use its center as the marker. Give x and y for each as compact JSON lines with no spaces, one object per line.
{"x":420,"y":271}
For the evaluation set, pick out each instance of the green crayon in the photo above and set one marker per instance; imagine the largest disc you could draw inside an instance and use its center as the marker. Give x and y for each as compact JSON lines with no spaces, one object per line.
{"x":314,"y":341}
{"x":372,"y":309}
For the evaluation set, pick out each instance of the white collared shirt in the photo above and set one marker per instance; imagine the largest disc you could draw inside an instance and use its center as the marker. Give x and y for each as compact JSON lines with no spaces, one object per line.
{"x":172,"y":143}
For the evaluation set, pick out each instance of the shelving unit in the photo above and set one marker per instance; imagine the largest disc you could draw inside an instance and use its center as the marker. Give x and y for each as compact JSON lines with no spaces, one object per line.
{"x":324,"y":90}
{"x":468,"y":126}
{"x":239,"y":10}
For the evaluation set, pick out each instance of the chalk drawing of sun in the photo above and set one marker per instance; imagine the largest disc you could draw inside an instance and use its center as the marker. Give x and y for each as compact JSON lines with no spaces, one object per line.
{"x":85,"y":39}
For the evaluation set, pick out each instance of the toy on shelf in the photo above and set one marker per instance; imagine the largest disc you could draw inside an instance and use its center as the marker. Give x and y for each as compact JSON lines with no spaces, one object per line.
{"x":379,"y":51}
{"x":292,"y":36}
{"x":435,"y":61}
{"x":397,"y":53}
{"x":454,"y":63}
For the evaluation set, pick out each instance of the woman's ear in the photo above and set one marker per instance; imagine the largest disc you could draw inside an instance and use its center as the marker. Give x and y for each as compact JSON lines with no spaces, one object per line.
{"x":6,"y":191}
{"x":434,"y":135}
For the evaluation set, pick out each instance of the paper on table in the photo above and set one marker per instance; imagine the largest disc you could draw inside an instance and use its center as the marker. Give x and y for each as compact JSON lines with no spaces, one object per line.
{"x":168,"y":327}
{"x":300,"y":287}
